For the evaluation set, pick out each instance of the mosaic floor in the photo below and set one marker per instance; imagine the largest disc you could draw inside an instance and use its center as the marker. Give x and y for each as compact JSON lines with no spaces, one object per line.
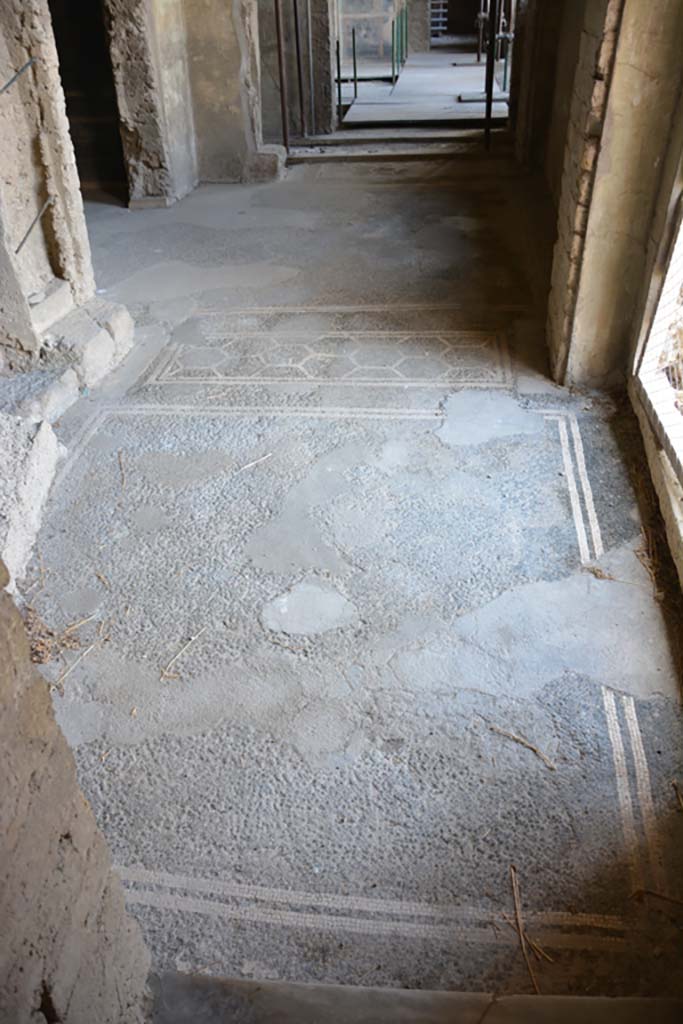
{"x":366,"y":627}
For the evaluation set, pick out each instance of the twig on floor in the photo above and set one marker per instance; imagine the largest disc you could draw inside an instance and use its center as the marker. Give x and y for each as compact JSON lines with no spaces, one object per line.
{"x":679,"y":795}
{"x":59,"y":685}
{"x":165,"y":672}
{"x":520,"y":927}
{"x":647,"y":555}
{"x":122,"y":471}
{"x":45,"y":643}
{"x":77,"y":625}
{"x":640,"y":895}
{"x":256,"y":462}
{"x":600,"y":574}
{"x":524,"y":743}
{"x":534,"y":946}
{"x":103,"y":579}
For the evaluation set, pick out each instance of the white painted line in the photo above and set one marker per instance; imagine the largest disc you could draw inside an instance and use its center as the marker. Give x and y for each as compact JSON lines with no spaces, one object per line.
{"x":313,"y":382}
{"x":335,"y":901}
{"x":159,"y":365}
{"x":598,"y":547}
{"x":467,"y":337}
{"x":623,"y":789}
{"x":78,"y":445}
{"x":393,"y":308}
{"x":577,"y":512}
{"x":644,"y":790}
{"x":275,"y":412}
{"x":487,"y":935}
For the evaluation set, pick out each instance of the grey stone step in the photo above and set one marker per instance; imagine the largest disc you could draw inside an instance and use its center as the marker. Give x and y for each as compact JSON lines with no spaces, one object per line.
{"x":395,"y":135}
{"x":194,"y":999}
{"x":378,"y":153}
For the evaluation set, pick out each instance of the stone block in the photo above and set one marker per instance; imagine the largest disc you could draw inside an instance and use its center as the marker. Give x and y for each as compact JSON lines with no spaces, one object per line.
{"x":50,"y":305}
{"x":29,"y":455}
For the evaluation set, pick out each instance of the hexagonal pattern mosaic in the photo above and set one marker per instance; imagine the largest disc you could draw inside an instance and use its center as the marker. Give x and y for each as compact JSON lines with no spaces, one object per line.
{"x":417,"y":358}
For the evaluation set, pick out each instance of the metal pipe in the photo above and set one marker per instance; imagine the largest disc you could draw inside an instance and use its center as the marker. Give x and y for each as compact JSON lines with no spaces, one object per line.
{"x":48,"y":202}
{"x":355,"y":63}
{"x":502,"y":25}
{"x":482,"y":18}
{"x":299,"y":68}
{"x":339,"y":85}
{"x":14,"y":77}
{"x":393,"y":53}
{"x":284,"y":105}
{"x":397,"y":33}
{"x":311,"y":73}
{"x":399,"y":30}
{"x":490,"y":69}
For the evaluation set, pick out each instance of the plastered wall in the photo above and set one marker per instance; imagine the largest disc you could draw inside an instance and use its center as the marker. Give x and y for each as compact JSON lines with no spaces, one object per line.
{"x":68,"y":950}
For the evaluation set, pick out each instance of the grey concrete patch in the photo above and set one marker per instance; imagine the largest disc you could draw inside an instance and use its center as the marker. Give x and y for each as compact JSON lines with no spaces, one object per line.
{"x":309,"y":608}
{"x":477,"y":418}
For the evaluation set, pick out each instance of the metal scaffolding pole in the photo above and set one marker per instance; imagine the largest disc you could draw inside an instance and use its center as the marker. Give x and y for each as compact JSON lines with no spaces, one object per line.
{"x":311,"y":73}
{"x":340,"y":109}
{"x":299,"y":68}
{"x":284,"y":105}
{"x":491,"y":68}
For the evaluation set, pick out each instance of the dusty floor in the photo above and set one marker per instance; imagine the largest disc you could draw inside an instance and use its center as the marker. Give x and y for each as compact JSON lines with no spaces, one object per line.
{"x":332,"y":524}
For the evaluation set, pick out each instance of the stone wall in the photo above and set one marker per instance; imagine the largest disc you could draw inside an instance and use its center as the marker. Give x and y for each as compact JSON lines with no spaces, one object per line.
{"x":68,"y":950}
{"x":626,"y":87}
{"x":571,"y":27}
{"x":36,"y":163}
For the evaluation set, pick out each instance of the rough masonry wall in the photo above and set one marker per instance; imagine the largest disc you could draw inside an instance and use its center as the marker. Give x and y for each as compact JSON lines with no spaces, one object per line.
{"x":626,"y":89}
{"x":148,"y":139}
{"x":592,"y":76}
{"x":571,"y":28}
{"x":68,"y":950}
{"x":36,"y":163}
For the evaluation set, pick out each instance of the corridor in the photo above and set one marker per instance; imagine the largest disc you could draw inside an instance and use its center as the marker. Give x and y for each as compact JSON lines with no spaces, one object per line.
{"x":375,"y":638}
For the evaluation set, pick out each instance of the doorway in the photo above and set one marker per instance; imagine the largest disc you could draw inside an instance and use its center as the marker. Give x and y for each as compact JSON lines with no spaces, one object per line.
{"x":659,"y":377}
{"x":422,"y":64}
{"x":91,"y":105}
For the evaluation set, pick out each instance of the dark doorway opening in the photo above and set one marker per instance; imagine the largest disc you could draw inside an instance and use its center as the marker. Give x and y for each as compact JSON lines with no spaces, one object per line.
{"x":91,"y":105}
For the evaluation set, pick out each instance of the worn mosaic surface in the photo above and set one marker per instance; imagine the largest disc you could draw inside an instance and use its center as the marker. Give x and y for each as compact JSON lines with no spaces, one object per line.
{"x":369,"y":618}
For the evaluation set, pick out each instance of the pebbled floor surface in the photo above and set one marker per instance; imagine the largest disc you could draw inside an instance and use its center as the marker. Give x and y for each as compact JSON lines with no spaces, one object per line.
{"x":364,"y":615}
